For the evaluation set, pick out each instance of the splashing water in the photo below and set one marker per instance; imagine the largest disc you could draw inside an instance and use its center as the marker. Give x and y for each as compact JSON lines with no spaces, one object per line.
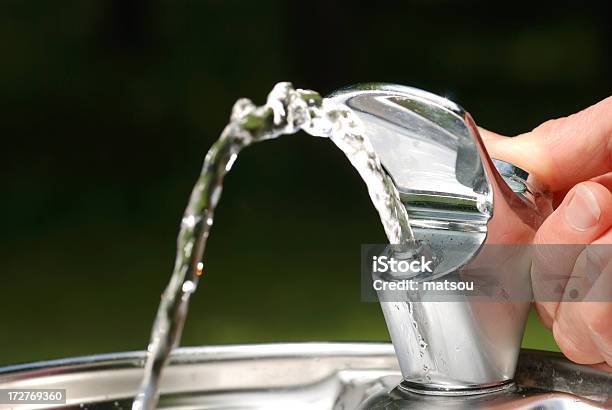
{"x":286,"y":111}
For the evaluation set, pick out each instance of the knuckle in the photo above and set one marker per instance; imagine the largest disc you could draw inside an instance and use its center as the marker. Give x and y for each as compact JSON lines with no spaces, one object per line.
{"x":551,"y":126}
{"x":597,"y":321}
{"x":566,"y":342}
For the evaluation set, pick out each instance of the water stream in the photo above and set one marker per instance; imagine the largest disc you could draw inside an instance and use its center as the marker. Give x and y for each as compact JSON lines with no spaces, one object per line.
{"x":286,"y":111}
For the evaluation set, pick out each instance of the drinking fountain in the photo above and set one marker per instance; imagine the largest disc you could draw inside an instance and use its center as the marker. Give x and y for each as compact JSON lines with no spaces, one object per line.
{"x":321,"y":376}
{"x":473,"y":218}
{"x":475,"y":215}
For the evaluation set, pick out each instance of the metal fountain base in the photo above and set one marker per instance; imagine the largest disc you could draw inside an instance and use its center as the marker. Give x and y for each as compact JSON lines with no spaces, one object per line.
{"x":300,"y":376}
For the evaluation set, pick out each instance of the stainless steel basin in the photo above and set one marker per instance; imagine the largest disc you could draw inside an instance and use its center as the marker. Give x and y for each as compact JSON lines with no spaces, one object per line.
{"x":299,"y":376}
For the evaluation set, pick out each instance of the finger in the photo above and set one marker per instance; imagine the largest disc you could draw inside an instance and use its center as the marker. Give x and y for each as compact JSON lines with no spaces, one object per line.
{"x":580,"y":219}
{"x":583,"y":330}
{"x":564,"y":151}
{"x":599,"y":270}
{"x":572,"y":333}
{"x":605,"y":180}
{"x":598,"y":319}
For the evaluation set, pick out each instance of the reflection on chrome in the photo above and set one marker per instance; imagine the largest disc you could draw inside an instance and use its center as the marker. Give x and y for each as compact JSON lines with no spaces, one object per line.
{"x":302,"y":376}
{"x":456,"y":199}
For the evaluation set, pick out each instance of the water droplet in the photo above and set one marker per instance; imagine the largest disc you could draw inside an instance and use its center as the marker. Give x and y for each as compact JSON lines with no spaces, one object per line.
{"x":189,"y":221}
{"x":188,"y":286}
{"x":230,"y":162}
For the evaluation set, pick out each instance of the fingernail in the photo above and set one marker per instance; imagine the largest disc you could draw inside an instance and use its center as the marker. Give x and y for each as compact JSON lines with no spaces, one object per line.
{"x":582,"y":212}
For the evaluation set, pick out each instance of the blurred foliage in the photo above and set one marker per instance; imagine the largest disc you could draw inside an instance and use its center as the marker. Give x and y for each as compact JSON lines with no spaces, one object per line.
{"x":109,"y":106}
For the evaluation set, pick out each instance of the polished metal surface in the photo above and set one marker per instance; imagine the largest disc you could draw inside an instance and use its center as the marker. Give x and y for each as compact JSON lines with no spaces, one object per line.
{"x":300,"y":376}
{"x":514,"y":176}
{"x":458,"y":203}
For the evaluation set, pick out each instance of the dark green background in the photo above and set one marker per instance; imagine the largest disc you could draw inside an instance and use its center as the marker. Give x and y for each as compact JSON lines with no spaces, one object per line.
{"x":109,"y":106}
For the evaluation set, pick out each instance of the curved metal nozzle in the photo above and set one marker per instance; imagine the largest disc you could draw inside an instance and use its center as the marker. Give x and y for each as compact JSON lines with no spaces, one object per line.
{"x":458,"y":202}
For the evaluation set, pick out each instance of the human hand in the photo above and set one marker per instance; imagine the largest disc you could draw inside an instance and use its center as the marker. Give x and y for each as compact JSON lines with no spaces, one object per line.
{"x":573,"y":157}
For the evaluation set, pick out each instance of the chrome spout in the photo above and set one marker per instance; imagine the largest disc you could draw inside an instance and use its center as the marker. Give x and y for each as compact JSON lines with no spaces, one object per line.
{"x":459,"y":203}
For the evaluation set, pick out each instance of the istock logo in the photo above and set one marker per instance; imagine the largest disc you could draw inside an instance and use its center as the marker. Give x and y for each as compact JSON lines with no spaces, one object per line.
{"x":384,"y":264}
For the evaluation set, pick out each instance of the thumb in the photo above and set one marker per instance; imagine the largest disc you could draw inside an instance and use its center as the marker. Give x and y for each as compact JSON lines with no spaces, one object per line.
{"x":564,"y":151}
